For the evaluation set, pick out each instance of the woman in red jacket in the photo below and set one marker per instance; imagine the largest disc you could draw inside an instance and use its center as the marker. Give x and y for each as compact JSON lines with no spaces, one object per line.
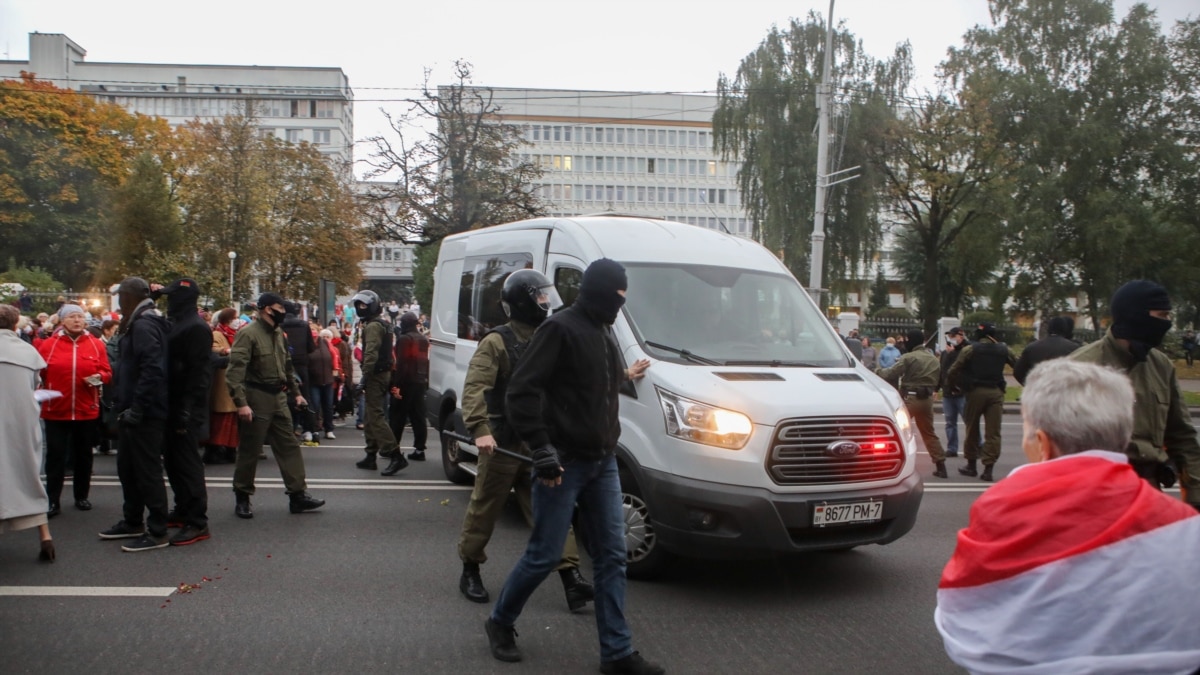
{"x":76,"y":366}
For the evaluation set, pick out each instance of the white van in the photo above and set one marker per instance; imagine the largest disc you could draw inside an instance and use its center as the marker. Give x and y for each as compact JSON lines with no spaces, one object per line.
{"x":754,"y":430}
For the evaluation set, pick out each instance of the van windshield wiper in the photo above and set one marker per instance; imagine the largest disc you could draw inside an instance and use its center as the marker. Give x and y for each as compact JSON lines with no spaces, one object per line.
{"x":684,"y":353}
{"x":775,"y":363}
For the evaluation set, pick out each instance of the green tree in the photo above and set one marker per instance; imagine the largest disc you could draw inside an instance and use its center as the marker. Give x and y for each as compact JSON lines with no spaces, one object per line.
{"x":424,"y":260}
{"x":879,"y":294}
{"x":147,"y":225}
{"x":765,"y":118}
{"x":463,"y":174}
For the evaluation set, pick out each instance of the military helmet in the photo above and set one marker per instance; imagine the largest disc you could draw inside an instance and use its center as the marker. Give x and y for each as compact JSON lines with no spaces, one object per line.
{"x":367,"y":305}
{"x":528,"y":296}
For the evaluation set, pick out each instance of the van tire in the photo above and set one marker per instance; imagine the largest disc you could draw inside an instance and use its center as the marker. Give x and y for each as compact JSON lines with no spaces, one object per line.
{"x":454,"y":473}
{"x":645,"y":558}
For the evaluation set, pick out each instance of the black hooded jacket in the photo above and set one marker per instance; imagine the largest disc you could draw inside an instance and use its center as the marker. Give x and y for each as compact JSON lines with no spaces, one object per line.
{"x":300,"y":342}
{"x":141,"y":373}
{"x":189,"y":345}
{"x":1056,"y":345}
{"x":565,"y":389}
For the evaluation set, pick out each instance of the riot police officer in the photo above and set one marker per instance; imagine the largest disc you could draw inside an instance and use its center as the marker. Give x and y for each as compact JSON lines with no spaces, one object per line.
{"x":979,"y":371}
{"x":917,"y":375}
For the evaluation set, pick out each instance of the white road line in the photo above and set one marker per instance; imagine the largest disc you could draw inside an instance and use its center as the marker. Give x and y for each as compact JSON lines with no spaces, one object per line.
{"x":89,"y":591}
{"x":341,"y":485}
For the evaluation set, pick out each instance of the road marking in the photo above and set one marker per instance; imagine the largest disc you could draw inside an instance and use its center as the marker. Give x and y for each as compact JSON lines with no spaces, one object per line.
{"x":338,"y":485}
{"x":90,"y":591}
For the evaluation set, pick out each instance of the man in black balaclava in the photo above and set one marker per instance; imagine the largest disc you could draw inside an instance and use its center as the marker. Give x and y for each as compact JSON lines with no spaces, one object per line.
{"x":301,"y":342}
{"x":979,"y":372}
{"x":574,"y":364}
{"x":1164,"y":443}
{"x":141,"y":376}
{"x":1055,"y":345}
{"x":189,"y":349}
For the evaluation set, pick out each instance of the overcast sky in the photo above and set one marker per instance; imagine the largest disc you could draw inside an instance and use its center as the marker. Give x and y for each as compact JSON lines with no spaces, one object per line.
{"x":384,"y":47}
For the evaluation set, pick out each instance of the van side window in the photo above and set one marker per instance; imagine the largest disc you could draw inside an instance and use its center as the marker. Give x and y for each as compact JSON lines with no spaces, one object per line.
{"x":479,"y":290}
{"x":566,"y":282}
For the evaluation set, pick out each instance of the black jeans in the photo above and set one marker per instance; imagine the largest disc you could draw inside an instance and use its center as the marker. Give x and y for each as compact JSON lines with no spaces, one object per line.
{"x":185,"y":473}
{"x":320,"y":398}
{"x":72,"y":437}
{"x":409,"y":410}
{"x":140,"y":468}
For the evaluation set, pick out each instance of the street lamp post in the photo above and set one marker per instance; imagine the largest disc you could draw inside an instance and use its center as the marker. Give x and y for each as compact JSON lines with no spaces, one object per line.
{"x":232,"y":257}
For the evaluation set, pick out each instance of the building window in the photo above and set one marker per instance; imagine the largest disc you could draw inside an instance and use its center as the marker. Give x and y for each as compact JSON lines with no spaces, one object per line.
{"x":621,"y":135}
{"x":641,"y":193}
{"x":671,"y":138}
{"x":712,"y":167}
{"x":589,"y":163}
{"x":327,"y":109}
{"x":620,"y":165}
{"x":662,"y":136}
{"x":567,"y":192}
{"x":587,"y":134}
{"x":567,"y":134}
{"x":641,"y":136}
{"x":608,"y":134}
{"x":692,"y":139}
{"x":321,"y":136}
{"x":566,"y":162}
{"x":670,"y":195}
{"x":295,"y":135}
{"x":671,"y":166}
{"x":649,"y":165}
{"x":608,"y":164}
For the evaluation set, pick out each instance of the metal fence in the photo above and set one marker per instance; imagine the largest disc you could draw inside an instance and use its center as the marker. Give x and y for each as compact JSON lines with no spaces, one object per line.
{"x":880,"y":329}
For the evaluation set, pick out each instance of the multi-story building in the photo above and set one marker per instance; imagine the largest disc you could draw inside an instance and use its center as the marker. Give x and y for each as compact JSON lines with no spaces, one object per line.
{"x":627,"y":152}
{"x":293,"y":103}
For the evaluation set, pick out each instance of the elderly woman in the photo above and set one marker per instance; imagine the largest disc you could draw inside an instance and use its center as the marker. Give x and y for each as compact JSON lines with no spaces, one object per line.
{"x":221,"y":446}
{"x":22,"y":496}
{"x":76,"y":367}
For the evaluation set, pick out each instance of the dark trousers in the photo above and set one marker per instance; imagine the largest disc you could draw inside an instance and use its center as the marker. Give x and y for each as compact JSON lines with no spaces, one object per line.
{"x":984,"y":405}
{"x":305,"y":418}
{"x":271,"y":424}
{"x":320,"y":398}
{"x":74,"y":438}
{"x":140,"y":468}
{"x":921,"y":411}
{"x":185,"y":473}
{"x":378,"y":433}
{"x":409,"y":409}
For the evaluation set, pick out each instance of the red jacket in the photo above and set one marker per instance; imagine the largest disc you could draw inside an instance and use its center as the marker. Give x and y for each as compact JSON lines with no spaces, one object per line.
{"x":68,"y":362}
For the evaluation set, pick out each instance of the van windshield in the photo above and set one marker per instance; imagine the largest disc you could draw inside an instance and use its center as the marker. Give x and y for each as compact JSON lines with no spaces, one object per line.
{"x":727,"y":315}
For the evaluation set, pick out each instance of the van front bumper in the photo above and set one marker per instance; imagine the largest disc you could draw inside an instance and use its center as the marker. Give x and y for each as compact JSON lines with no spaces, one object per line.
{"x":708,"y":520}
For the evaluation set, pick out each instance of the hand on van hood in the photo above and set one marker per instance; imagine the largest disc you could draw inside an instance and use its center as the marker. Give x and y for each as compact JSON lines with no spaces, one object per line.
{"x":598,"y":291}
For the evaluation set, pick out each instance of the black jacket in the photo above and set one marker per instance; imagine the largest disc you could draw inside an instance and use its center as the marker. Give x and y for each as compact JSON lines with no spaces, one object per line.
{"x":565,"y":389}
{"x":300,"y":343}
{"x":189,"y":348}
{"x":1052,"y":347}
{"x":142,"y":365}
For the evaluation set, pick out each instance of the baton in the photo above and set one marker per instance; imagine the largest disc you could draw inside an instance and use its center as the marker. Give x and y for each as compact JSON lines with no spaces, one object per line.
{"x":471,"y":441}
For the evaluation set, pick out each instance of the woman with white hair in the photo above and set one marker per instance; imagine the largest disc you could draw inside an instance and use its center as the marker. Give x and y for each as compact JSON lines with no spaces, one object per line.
{"x":22,"y":495}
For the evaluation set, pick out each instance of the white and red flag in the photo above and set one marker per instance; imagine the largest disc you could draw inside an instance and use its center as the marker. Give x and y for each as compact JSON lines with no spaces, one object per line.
{"x":1075,"y":565}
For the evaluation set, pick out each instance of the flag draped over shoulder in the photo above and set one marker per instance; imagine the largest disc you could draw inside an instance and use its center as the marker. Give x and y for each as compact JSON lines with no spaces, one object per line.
{"x":1074,"y":565}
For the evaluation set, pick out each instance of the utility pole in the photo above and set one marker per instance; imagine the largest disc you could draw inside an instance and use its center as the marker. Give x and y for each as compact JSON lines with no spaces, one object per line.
{"x":824,"y":91}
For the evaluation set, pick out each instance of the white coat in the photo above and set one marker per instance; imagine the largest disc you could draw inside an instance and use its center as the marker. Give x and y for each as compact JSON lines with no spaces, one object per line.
{"x":21,"y":490}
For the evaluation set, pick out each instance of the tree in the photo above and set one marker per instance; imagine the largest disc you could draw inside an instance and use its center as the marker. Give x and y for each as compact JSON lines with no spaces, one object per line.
{"x":61,"y":156}
{"x":146,"y":229}
{"x":879,"y":294}
{"x":464,"y":174}
{"x":943,"y":171}
{"x":765,"y":119}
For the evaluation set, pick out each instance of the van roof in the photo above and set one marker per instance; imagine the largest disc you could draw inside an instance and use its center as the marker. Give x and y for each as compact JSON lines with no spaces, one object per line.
{"x":633,"y":239}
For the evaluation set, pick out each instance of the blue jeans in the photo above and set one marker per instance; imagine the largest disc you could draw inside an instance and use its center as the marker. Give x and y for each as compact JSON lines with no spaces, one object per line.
{"x":952,"y":409}
{"x":595,"y":487}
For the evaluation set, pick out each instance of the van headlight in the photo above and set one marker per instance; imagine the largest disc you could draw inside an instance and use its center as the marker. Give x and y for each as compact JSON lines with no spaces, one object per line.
{"x":701,"y":423}
{"x":905,"y":424}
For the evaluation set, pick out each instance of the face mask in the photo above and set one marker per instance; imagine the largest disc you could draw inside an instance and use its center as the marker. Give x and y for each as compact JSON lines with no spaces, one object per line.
{"x":276,"y":317}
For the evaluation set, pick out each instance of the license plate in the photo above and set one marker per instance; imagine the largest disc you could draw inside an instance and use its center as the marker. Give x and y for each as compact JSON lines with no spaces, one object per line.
{"x":847,"y":513}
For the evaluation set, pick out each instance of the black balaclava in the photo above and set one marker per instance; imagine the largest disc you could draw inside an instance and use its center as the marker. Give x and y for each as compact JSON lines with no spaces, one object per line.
{"x":1131,"y":306}
{"x":182,"y":296}
{"x":916,"y":340}
{"x":986,"y":329}
{"x":265,"y":301}
{"x":408,"y":322}
{"x":1062,"y":326}
{"x":131,"y":294}
{"x":598,"y":292}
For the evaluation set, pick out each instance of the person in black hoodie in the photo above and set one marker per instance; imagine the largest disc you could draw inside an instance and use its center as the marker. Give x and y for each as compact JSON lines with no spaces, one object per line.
{"x":562,"y":400}
{"x":301,"y":343}
{"x":1055,"y":345}
{"x":189,"y":348}
{"x":410,"y":379}
{"x":141,"y":378}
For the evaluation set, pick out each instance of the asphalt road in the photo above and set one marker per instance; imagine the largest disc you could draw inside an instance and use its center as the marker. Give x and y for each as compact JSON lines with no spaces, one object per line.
{"x":370,"y":584}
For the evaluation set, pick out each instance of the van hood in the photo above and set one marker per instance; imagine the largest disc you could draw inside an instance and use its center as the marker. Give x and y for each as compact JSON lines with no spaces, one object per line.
{"x":768,"y":395}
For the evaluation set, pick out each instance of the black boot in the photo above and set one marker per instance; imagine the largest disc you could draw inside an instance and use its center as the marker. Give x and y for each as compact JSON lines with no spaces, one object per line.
{"x":987,"y":473}
{"x":969,"y":469}
{"x":939,"y":470}
{"x":398,"y":462}
{"x":471,"y":584}
{"x":503,"y":641}
{"x":302,"y":501}
{"x":243,"y":505}
{"x":578,"y":590}
{"x":367,"y":462}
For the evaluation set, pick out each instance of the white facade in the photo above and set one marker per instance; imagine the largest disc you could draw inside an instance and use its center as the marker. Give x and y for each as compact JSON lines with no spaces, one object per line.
{"x":293,"y":103}
{"x":627,"y":152}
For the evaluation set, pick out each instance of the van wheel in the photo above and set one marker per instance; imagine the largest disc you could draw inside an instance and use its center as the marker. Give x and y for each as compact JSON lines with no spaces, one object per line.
{"x":454,"y":473}
{"x":645,"y":559}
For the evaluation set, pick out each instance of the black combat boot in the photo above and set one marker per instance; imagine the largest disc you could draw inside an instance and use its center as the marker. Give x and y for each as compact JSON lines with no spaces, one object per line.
{"x":398,"y":462}
{"x":578,"y":590}
{"x":243,"y":505}
{"x":471,"y":584}
{"x":299,"y":502}
{"x":987,"y":473}
{"x":939,"y":470}
{"x":503,"y":641}
{"x":367,"y":462}
{"x":969,"y":469}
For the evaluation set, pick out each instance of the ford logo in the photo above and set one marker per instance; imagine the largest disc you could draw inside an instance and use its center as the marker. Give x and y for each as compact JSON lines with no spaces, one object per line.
{"x":843,"y":449}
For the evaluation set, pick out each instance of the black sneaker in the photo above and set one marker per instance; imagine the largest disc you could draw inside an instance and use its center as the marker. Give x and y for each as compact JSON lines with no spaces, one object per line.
{"x":503,"y":641}
{"x":123,"y":530}
{"x":633,"y":664}
{"x":190,"y":535}
{"x":146,"y":542}
{"x":174,"y":519}
{"x":397,"y":464}
{"x":417,"y":455}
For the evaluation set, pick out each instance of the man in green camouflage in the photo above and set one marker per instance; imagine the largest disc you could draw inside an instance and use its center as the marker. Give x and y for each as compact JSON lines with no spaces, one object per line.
{"x":918,"y":375}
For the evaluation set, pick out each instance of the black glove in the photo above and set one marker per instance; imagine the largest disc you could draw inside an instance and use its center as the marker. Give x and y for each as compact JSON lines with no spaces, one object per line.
{"x":130,"y":417}
{"x":545,"y":462}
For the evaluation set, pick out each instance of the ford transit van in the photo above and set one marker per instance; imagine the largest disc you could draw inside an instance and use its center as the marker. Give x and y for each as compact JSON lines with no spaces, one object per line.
{"x":754,"y":430}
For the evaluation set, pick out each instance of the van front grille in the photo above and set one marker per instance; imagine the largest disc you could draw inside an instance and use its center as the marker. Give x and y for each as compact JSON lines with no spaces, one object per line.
{"x":834,"y":450}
